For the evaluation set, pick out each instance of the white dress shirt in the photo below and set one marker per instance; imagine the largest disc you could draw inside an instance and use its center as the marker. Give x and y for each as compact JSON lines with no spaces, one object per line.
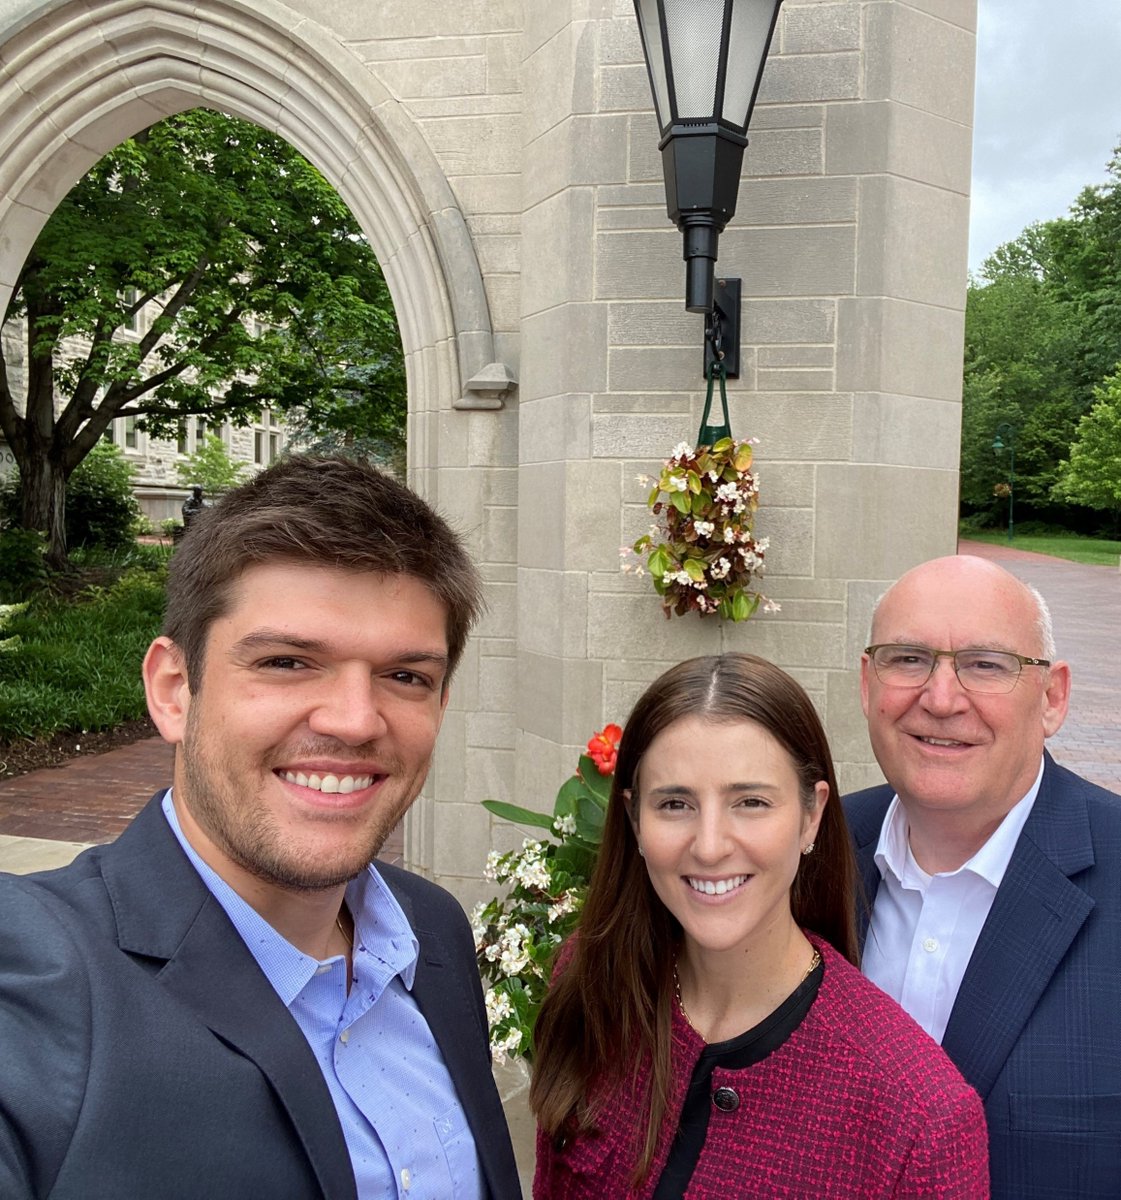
{"x":924,"y":928}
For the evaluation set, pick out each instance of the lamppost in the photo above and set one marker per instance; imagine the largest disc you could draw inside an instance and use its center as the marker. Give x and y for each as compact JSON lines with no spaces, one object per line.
{"x":705,"y":63}
{"x":1006,"y":437}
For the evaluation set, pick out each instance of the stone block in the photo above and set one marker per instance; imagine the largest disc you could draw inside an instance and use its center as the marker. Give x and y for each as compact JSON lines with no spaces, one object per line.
{"x":779,"y":321}
{"x":819,"y":28}
{"x":848,"y":730}
{"x":350,"y":19}
{"x":637,"y":435}
{"x":886,"y":345}
{"x":653,"y":368}
{"x":643,"y":402}
{"x":912,"y":242}
{"x":624,"y":87}
{"x":490,"y":730}
{"x":556,"y":427}
{"x":501,"y":615}
{"x":784,"y":152}
{"x":797,"y":201}
{"x":800,"y":427}
{"x":487,"y":193}
{"x":553,"y":612}
{"x":906,"y":431}
{"x":430,"y":78}
{"x":559,"y":699}
{"x":650,"y":323}
{"x":553,"y":271}
{"x":578,"y":150}
{"x":920,"y":61}
{"x":787,"y":379}
{"x":853,"y":541}
{"x":497,"y":680}
{"x":795,"y":356}
{"x":806,"y":77}
{"x":492,"y":438}
{"x":504,"y":65}
{"x":784,"y":484}
{"x":500,"y":534}
{"x":888,"y":137}
{"x":489,"y":775}
{"x":564,"y":349}
{"x":791,"y":535}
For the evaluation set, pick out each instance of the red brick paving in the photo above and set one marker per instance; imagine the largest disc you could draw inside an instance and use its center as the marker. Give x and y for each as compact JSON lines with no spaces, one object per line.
{"x":92,"y":799}
{"x":1085,"y":603}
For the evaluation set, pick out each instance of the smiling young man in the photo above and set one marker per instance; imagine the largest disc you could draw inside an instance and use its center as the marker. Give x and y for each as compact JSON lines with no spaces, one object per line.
{"x":232,"y":1000}
{"x":994,"y":874}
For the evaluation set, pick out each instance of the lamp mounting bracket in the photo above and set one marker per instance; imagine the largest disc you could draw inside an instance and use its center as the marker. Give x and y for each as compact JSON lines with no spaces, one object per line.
{"x":722,"y":327}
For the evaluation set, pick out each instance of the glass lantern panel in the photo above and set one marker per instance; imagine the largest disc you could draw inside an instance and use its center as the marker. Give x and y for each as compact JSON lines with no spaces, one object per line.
{"x":650,"y":27}
{"x":747,"y":46}
{"x":694,"y":29}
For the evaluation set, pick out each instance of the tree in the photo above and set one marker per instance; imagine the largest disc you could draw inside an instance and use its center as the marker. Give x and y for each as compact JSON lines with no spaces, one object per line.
{"x":211,"y":467}
{"x":1092,"y":474}
{"x":265,"y":294}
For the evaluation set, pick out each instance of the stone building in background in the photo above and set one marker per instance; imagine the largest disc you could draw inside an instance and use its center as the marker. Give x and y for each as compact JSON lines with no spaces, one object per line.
{"x":501,"y":157}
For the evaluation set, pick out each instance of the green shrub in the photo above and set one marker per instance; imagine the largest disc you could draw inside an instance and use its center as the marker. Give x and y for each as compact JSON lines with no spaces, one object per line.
{"x":212,"y":467}
{"x":75,"y":664}
{"x":22,"y":569}
{"x":100,"y":507}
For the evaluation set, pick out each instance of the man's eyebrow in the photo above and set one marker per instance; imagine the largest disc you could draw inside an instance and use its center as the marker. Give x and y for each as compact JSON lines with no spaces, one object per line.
{"x":276,"y":638}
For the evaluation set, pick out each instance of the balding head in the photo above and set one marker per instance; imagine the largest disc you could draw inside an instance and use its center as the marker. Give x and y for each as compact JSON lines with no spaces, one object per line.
{"x":962,"y":756}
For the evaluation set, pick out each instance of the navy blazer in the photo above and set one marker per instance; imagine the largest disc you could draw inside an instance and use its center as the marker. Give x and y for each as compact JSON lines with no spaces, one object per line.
{"x":1036,"y":1027}
{"x":143,"y":1052}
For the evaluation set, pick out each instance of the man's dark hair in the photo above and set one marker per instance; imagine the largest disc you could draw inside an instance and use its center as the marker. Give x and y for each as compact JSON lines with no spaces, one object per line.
{"x":329,"y":511}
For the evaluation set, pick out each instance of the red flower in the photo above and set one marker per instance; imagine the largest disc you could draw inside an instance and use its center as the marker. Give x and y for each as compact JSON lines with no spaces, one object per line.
{"x":603,"y":748}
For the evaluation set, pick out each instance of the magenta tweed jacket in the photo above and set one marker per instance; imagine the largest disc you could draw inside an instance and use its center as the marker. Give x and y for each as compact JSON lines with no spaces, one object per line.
{"x":858,"y":1103}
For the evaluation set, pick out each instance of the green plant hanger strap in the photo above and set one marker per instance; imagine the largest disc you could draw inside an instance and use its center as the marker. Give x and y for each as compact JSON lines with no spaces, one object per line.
{"x":709,"y":435}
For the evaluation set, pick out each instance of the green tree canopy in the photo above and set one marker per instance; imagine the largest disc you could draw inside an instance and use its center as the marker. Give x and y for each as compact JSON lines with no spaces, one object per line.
{"x":1042,"y":331}
{"x":1092,"y":474}
{"x":263,"y":292}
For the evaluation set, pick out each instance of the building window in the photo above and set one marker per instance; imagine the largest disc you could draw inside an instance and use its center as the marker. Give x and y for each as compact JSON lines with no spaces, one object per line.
{"x":131,"y":323}
{"x":181,"y":445}
{"x":132,"y":437}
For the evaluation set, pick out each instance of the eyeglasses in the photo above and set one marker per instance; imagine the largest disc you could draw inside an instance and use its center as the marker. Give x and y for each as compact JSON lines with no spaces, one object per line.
{"x":991,"y":671}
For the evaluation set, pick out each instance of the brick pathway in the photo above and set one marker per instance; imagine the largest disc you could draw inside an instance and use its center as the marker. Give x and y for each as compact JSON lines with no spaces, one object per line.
{"x":92,"y":799}
{"x":1085,"y":603}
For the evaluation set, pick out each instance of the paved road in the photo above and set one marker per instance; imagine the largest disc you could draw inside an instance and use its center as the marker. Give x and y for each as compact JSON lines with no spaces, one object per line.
{"x":1085,"y":604}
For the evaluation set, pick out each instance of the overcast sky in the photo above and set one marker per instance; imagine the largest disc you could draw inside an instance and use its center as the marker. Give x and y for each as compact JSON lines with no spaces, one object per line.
{"x":1048,"y":111}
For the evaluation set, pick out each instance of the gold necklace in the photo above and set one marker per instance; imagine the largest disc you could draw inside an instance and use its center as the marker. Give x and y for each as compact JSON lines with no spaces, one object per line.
{"x":349,"y":937}
{"x":815,"y":961}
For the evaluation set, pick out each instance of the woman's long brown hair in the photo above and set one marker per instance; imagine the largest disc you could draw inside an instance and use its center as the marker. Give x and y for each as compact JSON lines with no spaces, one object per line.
{"x":609,"y":1010}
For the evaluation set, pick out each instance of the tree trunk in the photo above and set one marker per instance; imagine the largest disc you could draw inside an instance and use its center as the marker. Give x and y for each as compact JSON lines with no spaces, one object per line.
{"x":43,"y":487}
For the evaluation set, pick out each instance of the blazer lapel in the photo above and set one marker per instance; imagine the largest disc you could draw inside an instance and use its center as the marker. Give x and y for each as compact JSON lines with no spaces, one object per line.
{"x":1035,"y":916}
{"x":210,"y":970}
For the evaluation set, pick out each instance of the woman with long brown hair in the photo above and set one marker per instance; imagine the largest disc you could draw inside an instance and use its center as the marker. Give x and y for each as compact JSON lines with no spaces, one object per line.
{"x":707,"y":1032}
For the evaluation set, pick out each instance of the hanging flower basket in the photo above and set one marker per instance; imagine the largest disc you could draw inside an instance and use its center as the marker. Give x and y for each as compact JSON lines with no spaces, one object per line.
{"x":702,"y":552}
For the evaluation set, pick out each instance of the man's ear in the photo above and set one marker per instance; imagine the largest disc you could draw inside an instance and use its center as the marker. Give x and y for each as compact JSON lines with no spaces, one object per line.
{"x":1056,"y":697}
{"x":865,"y":668}
{"x":165,"y":685}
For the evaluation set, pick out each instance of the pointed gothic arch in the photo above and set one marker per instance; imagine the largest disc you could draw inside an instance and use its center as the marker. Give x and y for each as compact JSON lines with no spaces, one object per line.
{"x":77,"y":79}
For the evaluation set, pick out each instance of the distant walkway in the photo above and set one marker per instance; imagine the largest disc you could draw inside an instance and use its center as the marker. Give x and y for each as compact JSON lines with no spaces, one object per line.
{"x":1085,"y":603}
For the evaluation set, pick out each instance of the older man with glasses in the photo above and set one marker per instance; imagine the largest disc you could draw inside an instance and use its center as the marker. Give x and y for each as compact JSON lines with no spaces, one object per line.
{"x":993,"y":874}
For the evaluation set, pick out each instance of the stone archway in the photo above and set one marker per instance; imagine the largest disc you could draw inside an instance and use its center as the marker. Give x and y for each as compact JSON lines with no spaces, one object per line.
{"x":77,"y":79}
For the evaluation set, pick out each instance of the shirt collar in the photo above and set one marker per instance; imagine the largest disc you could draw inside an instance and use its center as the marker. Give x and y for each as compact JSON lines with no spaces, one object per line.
{"x":379,"y":924}
{"x":893,"y":851}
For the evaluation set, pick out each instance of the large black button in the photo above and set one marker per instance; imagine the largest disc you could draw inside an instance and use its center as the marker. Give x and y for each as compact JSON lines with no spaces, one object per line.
{"x":725,"y":1099}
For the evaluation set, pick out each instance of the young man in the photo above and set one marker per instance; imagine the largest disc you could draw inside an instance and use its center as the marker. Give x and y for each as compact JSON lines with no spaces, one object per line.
{"x":994,"y":874}
{"x":231,"y":1000}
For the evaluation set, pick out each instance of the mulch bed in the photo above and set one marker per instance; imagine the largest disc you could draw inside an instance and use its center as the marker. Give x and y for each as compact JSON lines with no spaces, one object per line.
{"x":26,"y":754}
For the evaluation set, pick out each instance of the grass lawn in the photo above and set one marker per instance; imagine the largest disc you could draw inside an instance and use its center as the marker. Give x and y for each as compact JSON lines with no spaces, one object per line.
{"x":1073,"y":546}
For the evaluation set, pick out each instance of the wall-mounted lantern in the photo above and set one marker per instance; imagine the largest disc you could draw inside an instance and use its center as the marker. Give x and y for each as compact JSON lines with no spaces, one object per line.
{"x":705,"y":60}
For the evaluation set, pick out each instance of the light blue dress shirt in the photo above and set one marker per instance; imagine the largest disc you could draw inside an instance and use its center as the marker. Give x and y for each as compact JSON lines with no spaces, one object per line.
{"x":402,"y":1120}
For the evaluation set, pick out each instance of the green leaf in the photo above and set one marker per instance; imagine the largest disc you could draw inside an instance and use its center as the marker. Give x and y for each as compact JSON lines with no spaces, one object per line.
{"x":694,"y":568}
{"x":598,"y":785}
{"x":589,"y":820}
{"x":518,"y":815}
{"x":743,"y":457}
{"x":658,"y":563}
{"x":680,"y":501}
{"x":694,"y":482}
{"x":722,"y":446}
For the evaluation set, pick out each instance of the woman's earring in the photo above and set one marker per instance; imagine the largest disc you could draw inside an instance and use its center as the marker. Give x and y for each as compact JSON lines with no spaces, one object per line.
{"x":641,"y":852}
{"x":809,"y":849}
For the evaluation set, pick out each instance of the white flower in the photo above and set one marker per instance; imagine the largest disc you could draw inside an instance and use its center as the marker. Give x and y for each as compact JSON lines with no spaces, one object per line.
{"x":704,"y":528}
{"x":565,"y":905}
{"x":498,"y":1006}
{"x":477,"y":926}
{"x":729,"y":533}
{"x":490,"y":871}
{"x":771,"y":606}
{"x":700,"y":584}
{"x":678,"y":483}
{"x":513,"y":954}
{"x":643,"y":479}
{"x":713,"y":474}
{"x":720,"y":568}
{"x":682,"y":450}
{"x":761,"y":544}
{"x":679,"y":577}
{"x":506,"y":1044}
{"x":565,"y":825}
{"x":727,"y":493}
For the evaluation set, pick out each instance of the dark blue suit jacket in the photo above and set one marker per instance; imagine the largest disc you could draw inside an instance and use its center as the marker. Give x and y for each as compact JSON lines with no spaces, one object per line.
{"x":1036,"y":1027}
{"x":143,"y":1053}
